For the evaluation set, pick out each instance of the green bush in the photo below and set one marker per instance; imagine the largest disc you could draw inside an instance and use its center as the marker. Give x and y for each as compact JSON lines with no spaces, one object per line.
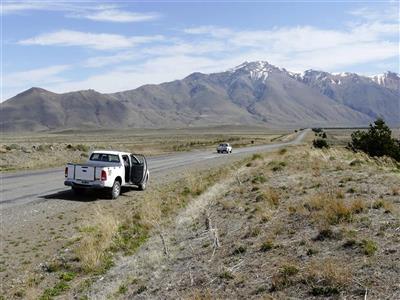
{"x":377,"y":141}
{"x":81,"y":147}
{"x":320,"y":143}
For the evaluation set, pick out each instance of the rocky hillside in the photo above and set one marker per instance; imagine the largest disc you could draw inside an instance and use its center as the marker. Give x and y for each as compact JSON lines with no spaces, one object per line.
{"x":254,"y":93}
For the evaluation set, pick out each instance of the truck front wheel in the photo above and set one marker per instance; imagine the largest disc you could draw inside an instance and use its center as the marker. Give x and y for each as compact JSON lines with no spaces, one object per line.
{"x":115,"y":190}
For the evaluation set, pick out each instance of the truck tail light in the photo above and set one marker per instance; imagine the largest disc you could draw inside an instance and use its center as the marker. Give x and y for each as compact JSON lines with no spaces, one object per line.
{"x":103,"y":175}
{"x":66,"y":171}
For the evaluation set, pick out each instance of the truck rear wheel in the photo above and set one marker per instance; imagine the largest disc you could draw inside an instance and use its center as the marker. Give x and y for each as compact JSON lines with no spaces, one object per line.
{"x":115,"y":190}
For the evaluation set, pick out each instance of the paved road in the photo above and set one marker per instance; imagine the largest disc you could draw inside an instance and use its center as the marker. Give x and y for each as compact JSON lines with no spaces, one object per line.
{"x":27,"y":187}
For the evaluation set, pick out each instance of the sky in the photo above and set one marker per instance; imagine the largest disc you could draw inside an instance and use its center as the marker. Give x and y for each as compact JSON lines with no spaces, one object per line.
{"x":120,"y":45}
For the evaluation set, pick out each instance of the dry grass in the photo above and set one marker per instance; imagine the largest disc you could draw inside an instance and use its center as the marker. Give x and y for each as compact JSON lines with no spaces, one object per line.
{"x":107,"y":234}
{"x":330,"y":210}
{"x":270,"y":196}
{"x":199,"y":294}
{"x":97,"y":238}
{"x":396,"y":190}
{"x":327,"y":277}
{"x":285,"y":234}
{"x":149,"y":212}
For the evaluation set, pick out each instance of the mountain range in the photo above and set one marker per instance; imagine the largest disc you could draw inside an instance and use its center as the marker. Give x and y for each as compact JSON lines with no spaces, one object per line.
{"x":253,"y":93}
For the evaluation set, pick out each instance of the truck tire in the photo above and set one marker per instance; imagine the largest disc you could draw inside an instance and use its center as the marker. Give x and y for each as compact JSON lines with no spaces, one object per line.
{"x":115,"y":190}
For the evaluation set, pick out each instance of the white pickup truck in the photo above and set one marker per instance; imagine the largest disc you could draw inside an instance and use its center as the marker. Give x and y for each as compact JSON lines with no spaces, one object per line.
{"x":108,"y":169}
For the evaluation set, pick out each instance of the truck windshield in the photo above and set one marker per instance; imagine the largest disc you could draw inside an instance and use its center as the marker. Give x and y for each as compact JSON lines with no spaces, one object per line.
{"x":105,"y":157}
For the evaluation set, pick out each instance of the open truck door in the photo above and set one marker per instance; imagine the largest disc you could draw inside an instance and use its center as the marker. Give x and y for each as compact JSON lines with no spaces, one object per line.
{"x":139,"y":171}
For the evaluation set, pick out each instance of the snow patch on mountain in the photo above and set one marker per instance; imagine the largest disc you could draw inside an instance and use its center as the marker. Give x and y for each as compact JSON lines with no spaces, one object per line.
{"x":258,"y":70}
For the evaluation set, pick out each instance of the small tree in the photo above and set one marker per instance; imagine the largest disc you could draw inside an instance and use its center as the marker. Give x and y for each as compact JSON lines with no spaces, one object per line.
{"x":377,"y":141}
{"x":320,"y":143}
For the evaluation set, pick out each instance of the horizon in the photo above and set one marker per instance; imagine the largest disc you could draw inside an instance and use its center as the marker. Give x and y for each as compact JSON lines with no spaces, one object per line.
{"x":117,"y":46}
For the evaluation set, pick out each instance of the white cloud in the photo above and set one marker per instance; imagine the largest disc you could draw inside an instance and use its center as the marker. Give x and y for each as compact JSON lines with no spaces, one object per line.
{"x":307,"y":46}
{"x":99,"y":41}
{"x":155,"y":71}
{"x":103,"y":12}
{"x":38,"y":76}
{"x":101,"y":61}
{"x":118,"y":16}
{"x":18,"y":7}
{"x":214,"y":31}
{"x":389,"y":14}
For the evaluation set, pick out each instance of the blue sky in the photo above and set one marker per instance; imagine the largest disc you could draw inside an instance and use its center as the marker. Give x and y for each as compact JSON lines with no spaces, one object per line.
{"x":120,"y":45}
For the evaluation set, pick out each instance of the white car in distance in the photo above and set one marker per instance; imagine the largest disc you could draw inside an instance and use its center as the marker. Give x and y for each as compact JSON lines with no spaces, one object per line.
{"x":224,"y":148}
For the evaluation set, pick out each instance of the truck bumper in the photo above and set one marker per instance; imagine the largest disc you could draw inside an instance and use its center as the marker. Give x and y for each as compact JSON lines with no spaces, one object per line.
{"x":94,"y":185}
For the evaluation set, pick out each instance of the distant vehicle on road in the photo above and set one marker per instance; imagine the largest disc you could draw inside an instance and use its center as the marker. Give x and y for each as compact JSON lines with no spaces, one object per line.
{"x":108,"y":170}
{"x":224,"y":148}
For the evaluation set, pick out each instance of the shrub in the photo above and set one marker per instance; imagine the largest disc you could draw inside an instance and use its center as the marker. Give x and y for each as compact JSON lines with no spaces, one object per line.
{"x":357,"y":206}
{"x":320,"y":143}
{"x":67,"y":276}
{"x":282,"y":151}
{"x":266,"y":246}
{"x":368,"y":247}
{"x":50,"y":293}
{"x":226,"y":274}
{"x":81,"y":147}
{"x":13,"y":147}
{"x":284,"y":277}
{"x":325,"y":234}
{"x":377,"y":141}
{"x":256,"y":156}
{"x":277,"y":165}
{"x":258,"y":179}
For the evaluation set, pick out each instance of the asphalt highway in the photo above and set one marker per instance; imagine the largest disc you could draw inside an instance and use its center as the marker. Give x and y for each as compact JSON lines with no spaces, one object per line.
{"x":25,"y":187}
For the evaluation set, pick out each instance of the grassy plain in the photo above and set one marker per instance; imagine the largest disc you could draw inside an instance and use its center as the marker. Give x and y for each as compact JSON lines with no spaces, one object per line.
{"x":43,"y":150}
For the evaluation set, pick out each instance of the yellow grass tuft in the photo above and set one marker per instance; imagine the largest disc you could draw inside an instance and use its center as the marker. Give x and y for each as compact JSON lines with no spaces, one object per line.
{"x":96,"y":239}
{"x":329,"y":210}
{"x":329,"y":274}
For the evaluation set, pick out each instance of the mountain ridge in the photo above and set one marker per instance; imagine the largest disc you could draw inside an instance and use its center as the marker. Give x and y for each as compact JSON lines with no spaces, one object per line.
{"x":253,"y":93}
